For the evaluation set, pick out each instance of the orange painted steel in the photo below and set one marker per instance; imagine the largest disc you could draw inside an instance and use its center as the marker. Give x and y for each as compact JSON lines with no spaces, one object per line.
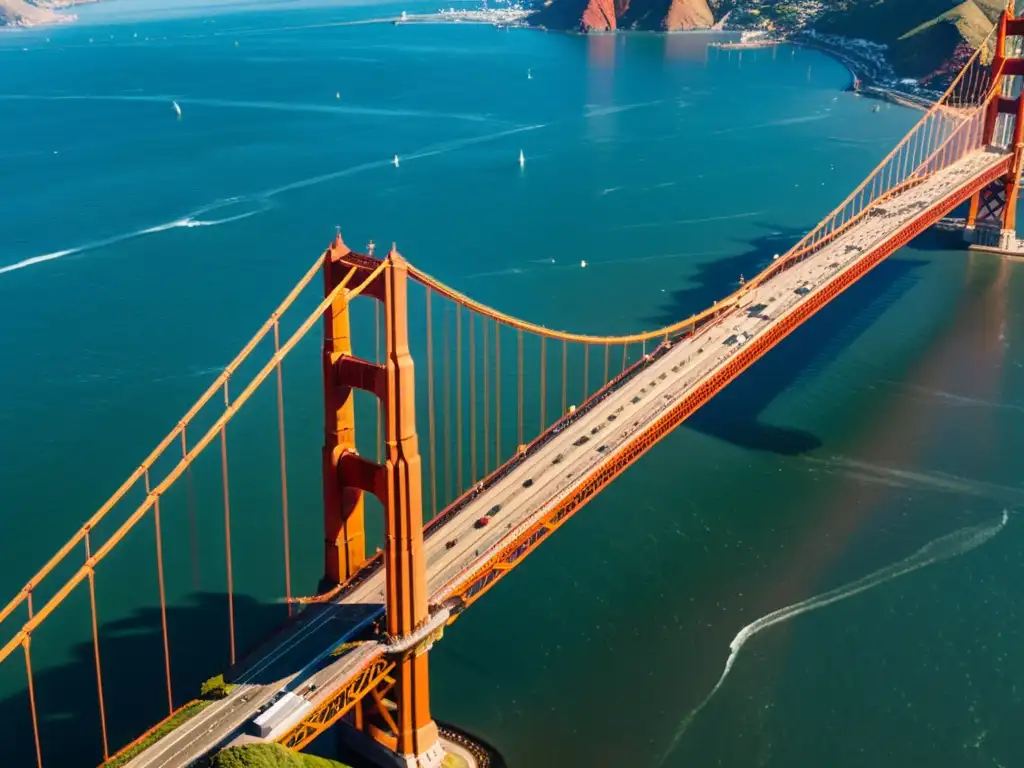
{"x":565,"y":374}
{"x":458,"y":398}
{"x":190,"y":492}
{"x":485,"y":366}
{"x":543,"y":382}
{"x":806,"y":245}
{"x":1011,"y":106}
{"x":163,"y":604}
{"x":344,"y":513}
{"x":376,"y":359}
{"x":472,"y":401}
{"x":519,"y":434}
{"x":405,"y":561}
{"x":152,"y":729}
{"x":227,"y":526}
{"x":430,"y":407}
{"x":281,"y":447}
{"x":208,"y":437}
{"x":447,"y":411}
{"x":347,"y":698}
{"x":586,"y":370}
{"x":157,"y":452}
{"x":469,"y":590}
{"x":32,"y":703}
{"x":940,"y":138}
{"x":497,"y":394}
{"x":96,"y":653}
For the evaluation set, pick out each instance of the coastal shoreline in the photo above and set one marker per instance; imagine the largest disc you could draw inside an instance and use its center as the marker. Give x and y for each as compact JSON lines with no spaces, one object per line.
{"x":865,"y":82}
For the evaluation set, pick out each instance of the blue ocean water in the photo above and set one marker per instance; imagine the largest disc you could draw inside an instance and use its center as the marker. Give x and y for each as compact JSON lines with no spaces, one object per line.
{"x":138,"y":251}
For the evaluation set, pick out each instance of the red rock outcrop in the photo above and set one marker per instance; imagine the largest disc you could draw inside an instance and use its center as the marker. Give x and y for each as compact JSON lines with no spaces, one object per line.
{"x":674,"y":15}
{"x":599,"y":16}
{"x":688,"y":14}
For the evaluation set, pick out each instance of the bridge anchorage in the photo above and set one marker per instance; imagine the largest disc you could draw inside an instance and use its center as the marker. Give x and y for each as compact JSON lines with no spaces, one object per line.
{"x":991,"y":222}
{"x":510,"y":457}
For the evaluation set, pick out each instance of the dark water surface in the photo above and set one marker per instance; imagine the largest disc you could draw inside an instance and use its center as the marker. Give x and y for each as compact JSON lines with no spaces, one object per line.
{"x":139,"y":251}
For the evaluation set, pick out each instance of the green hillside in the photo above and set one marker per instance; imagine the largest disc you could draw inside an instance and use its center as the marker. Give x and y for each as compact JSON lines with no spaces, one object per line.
{"x":921,"y":34}
{"x":268,"y":756}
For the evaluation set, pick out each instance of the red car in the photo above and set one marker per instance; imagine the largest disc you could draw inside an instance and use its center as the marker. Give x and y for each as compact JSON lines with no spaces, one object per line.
{"x":483,"y":521}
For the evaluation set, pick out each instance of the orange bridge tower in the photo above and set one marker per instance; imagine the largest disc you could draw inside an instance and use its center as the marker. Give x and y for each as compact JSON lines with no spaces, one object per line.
{"x":406,"y":726}
{"x":992,"y":217}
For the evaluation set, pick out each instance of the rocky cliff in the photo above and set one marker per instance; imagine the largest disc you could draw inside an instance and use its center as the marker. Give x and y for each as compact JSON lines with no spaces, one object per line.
{"x":923,"y":36}
{"x":33,"y":13}
{"x":611,"y":15}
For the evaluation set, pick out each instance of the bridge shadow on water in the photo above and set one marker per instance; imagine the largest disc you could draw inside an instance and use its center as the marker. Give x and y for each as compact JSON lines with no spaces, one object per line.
{"x":734,"y":415}
{"x":134,"y":685}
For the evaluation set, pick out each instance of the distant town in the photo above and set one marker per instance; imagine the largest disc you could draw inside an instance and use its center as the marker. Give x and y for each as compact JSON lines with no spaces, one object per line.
{"x":768,"y":22}
{"x":496,"y":12}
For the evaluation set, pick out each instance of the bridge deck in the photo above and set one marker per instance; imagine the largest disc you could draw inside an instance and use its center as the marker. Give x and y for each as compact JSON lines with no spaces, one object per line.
{"x":692,"y":370}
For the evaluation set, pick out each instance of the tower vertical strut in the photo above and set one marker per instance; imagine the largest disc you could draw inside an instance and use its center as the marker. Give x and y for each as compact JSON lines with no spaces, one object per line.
{"x":416,"y":737}
{"x":992,"y":215}
{"x":344,"y":524}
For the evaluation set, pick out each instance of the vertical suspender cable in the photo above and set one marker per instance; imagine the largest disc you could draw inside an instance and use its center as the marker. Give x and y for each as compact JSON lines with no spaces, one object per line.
{"x":472,"y":400}
{"x":447,"y":409}
{"x":625,"y":349}
{"x":543,"y":379}
{"x":227,"y":527}
{"x":486,"y":367}
{"x":458,"y":400}
{"x":284,"y":472}
{"x":565,"y":374}
{"x":497,"y":394}
{"x":96,"y":649}
{"x":191,"y":493}
{"x":376,"y":359}
{"x":163,"y":598}
{"x":32,"y":703}
{"x":519,"y":365}
{"x":586,"y":370}
{"x":430,"y":405}
{"x":607,"y":356}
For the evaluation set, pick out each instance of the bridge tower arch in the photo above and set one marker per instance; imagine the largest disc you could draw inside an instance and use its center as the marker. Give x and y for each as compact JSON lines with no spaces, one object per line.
{"x":410,"y":732}
{"x":992,"y":216}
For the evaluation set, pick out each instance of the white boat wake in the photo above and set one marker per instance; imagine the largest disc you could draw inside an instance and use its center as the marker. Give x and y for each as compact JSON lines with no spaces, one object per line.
{"x":951,"y":545}
{"x":188,"y":222}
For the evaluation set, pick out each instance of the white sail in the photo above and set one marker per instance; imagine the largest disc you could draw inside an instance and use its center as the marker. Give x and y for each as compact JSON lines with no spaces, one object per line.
{"x":395,"y":161}
{"x":522,"y":159}
{"x":176,"y":108}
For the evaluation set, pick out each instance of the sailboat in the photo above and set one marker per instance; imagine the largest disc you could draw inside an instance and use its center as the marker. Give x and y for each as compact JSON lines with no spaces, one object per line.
{"x":395,"y":161}
{"x":529,"y":74}
{"x":176,"y":108}
{"x":522,"y":159}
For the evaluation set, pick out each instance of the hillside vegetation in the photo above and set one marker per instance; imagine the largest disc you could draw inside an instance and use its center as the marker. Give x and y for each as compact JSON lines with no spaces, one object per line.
{"x":921,"y":34}
{"x":268,"y":756}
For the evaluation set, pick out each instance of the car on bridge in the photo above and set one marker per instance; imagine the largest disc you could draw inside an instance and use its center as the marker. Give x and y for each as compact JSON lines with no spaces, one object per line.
{"x":482,"y":521}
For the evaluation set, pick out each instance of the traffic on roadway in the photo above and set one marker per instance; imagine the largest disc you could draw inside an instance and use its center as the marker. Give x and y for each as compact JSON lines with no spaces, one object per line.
{"x":304,"y":660}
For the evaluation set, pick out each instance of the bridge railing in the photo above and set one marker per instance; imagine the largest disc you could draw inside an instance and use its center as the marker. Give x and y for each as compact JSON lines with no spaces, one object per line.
{"x":177,"y":453}
{"x":471,"y":349}
{"x":949,"y":130}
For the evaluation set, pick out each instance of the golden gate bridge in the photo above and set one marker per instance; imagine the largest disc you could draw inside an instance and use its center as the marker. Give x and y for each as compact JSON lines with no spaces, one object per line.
{"x":358,"y":651}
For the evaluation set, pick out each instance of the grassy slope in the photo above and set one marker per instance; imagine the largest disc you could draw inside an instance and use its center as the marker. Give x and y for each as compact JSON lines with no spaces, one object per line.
{"x":920,"y":33}
{"x":276,"y":756}
{"x":268,"y":756}
{"x":178,"y":718}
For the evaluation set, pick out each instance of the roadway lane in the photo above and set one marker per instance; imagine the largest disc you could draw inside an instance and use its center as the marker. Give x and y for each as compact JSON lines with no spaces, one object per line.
{"x":555,"y":470}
